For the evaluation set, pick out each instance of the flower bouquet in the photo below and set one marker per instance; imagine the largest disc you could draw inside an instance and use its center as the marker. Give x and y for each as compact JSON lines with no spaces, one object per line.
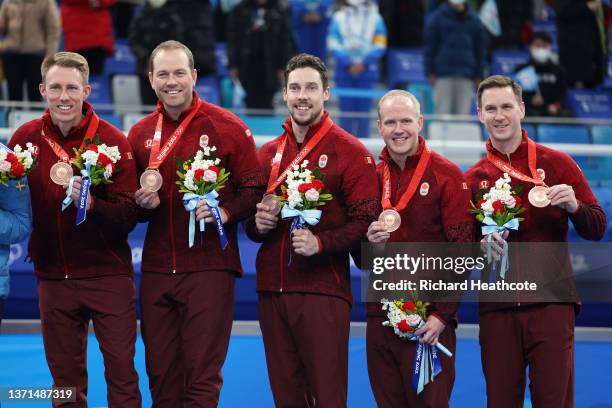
{"x":17,"y":163}
{"x":200,"y":179}
{"x":97,"y":163}
{"x":302,"y":196}
{"x":405,"y":317}
{"x":498,"y":209}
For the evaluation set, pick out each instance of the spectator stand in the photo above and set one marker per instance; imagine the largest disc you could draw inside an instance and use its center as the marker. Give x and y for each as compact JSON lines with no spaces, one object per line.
{"x":505,"y":62}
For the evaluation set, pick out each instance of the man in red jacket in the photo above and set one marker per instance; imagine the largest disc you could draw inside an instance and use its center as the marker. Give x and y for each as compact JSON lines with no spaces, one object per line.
{"x":423,"y":186}
{"x":304,"y":305}
{"x":514,"y":336}
{"x":187,"y":292}
{"x":85,"y":271}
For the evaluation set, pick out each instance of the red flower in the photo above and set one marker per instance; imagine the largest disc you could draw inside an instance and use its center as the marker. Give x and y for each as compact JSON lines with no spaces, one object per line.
{"x":214,"y":168}
{"x":104,"y":160}
{"x":408,"y":306}
{"x":480,"y":203}
{"x":304,"y":187}
{"x":518,"y":201}
{"x":92,"y":147}
{"x":404,"y":327}
{"x":198,"y":174}
{"x":17,"y":170}
{"x":11,"y":158}
{"x":318,"y":185}
{"x":498,"y":207}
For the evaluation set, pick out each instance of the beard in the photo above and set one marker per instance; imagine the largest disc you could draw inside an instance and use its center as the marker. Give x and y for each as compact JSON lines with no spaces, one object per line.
{"x":308,"y":121}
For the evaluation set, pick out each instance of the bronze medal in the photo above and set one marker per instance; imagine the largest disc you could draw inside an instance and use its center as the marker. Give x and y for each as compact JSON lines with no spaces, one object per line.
{"x":151,"y":180}
{"x":269,"y":200}
{"x":61,"y":173}
{"x":538,"y":196}
{"x":391,"y":219}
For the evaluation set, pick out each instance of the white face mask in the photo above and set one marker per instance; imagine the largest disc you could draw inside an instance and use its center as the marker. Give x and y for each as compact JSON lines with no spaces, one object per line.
{"x":541,"y":54}
{"x":355,"y":3}
{"x":157,"y":3}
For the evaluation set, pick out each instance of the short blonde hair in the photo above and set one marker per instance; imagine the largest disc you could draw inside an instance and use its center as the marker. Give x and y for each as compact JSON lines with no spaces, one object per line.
{"x":394,"y":93}
{"x":66,"y":60}
{"x":171,"y":45}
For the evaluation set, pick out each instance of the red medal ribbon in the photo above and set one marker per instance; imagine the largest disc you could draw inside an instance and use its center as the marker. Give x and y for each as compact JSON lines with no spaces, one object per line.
{"x":412,"y":186}
{"x":157,"y":157}
{"x":59,"y":151}
{"x":531,"y":162}
{"x":274,"y":180}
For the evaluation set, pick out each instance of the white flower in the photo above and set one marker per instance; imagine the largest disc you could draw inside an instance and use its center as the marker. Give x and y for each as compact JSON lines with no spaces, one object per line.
{"x":5,"y":166}
{"x":312,"y":195}
{"x":487,"y":208}
{"x":210,"y":175}
{"x":112,"y":152}
{"x":189,"y":180}
{"x":108,"y":171}
{"x":3,"y":154}
{"x":90,"y":157}
{"x":17,"y":149}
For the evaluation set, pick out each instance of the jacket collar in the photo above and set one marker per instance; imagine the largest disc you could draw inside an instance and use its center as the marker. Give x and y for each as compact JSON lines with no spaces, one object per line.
{"x":312,"y":129}
{"x":195,"y":98}
{"x":77,"y":132}
{"x":411,"y":161}
{"x":519,"y":153}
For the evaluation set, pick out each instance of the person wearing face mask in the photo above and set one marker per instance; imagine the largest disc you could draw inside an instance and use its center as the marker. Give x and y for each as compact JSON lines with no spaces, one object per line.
{"x":357,"y":39}
{"x":455,"y":56}
{"x":549,"y":98}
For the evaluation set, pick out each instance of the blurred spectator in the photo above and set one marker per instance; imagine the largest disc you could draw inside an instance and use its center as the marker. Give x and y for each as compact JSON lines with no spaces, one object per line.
{"x":357,"y":39}
{"x":515,"y":17}
{"x":404,"y":20}
{"x":260,"y":43}
{"x":31,"y":30}
{"x":221,"y":16}
{"x":548,"y":97}
{"x":310,"y":20}
{"x":88,"y":30}
{"x":455,"y":56}
{"x":198,"y":32}
{"x":157,"y":23}
{"x":582,"y":43}
{"x":123,"y":13}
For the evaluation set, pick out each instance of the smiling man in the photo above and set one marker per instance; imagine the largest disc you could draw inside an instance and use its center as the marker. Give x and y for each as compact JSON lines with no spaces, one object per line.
{"x":423,"y":186}
{"x":514,"y":336}
{"x":303,"y":279}
{"x":187,"y":292}
{"x":84,"y":272}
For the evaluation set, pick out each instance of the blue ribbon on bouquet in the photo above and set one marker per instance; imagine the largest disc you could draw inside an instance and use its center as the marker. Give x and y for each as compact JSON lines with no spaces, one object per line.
{"x":190,"y":202}
{"x":427,"y":363}
{"x":83,"y":200}
{"x":488,"y":229}
{"x":300,"y":219}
